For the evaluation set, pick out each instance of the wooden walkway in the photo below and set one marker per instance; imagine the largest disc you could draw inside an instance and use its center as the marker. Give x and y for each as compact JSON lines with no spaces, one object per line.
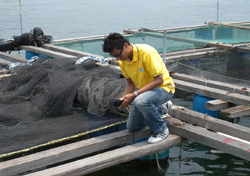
{"x":205,"y":133}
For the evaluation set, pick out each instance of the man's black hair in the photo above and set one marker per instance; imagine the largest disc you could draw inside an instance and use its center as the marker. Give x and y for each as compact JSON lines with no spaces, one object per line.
{"x":114,"y":41}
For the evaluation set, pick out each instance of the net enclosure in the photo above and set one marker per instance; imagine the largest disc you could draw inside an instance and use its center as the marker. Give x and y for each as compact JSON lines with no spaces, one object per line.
{"x":38,"y":102}
{"x":54,"y":100}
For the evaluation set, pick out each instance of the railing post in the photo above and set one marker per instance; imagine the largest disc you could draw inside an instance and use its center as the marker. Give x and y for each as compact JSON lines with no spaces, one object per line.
{"x":164,"y":46}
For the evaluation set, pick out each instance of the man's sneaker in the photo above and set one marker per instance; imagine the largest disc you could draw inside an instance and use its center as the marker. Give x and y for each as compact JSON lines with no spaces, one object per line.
{"x":168,"y":106}
{"x":166,"y":115}
{"x":158,"y":137}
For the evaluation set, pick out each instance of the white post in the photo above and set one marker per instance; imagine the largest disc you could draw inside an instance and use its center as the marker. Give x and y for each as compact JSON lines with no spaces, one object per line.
{"x":20,"y":16}
{"x":164,"y":47}
{"x":217,"y":11}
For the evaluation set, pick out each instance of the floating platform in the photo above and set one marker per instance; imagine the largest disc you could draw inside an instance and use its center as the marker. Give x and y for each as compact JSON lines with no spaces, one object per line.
{"x":232,"y":100}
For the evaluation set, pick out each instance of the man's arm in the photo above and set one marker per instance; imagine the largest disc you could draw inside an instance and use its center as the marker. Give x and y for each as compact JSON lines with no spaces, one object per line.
{"x":129,"y":96}
{"x":130,"y":87}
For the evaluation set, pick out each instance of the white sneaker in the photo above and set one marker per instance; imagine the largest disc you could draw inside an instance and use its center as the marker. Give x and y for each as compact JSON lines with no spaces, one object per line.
{"x":158,"y":137}
{"x":168,"y":104}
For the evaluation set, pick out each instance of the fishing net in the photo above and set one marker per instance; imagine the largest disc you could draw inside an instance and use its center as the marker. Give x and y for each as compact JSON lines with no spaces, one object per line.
{"x":177,"y":40}
{"x":231,"y":67}
{"x":36,"y":102}
{"x":35,"y":37}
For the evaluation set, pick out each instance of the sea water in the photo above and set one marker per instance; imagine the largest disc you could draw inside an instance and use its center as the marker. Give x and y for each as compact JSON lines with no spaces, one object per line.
{"x":81,"y":18}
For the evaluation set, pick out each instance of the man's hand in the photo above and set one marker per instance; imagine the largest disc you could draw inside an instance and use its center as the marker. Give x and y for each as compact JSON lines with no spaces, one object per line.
{"x":127,"y":99}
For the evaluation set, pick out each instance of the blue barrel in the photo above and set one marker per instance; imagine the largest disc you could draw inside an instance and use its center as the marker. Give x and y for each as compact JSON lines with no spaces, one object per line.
{"x":29,"y":55}
{"x":161,"y":154}
{"x":199,"y":102}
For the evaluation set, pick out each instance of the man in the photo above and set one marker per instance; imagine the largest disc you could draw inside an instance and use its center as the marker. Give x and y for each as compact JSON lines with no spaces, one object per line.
{"x":143,"y":68}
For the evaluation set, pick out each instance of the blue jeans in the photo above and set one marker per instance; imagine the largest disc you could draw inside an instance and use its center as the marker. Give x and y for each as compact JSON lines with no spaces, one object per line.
{"x":147,"y":110}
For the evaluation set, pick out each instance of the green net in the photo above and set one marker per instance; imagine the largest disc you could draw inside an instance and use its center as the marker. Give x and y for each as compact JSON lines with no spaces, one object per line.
{"x":175,"y":40}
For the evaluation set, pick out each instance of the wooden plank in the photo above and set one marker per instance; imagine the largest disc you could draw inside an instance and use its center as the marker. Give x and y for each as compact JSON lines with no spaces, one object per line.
{"x":45,"y":52}
{"x":240,"y":23}
{"x":242,"y":49}
{"x":232,"y":25}
{"x":129,"y":31}
{"x":191,"y":51}
{"x":3,"y":72}
{"x":97,"y":37}
{"x":6,"y":75}
{"x":221,"y":45}
{"x":57,"y":54}
{"x":211,"y":123}
{"x":237,"y":111}
{"x":212,"y":92}
{"x":68,"y":51}
{"x":192,"y":55}
{"x":237,"y":47}
{"x":107,"y":159}
{"x":12,"y":58}
{"x":110,"y":158}
{"x":215,"y":105}
{"x":75,"y":53}
{"x":2,"y":61}
{"x":211,"y":139}
{"x":70,"y":151}
{"x":212,"y":84}
{"x":181,"y":39}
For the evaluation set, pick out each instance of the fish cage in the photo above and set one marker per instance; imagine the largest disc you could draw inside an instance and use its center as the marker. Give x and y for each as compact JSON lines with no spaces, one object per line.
{"x":56,"y":101}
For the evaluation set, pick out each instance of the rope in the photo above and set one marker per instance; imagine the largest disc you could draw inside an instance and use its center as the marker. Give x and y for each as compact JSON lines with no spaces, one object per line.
{"x":59,"y":140}
{"x":158,"y":164}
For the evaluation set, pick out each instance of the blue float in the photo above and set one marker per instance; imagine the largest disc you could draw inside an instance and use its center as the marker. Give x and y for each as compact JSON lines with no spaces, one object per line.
{"x":199,"y":102}
{"x":161,"y":154}
{"x":29,"y":55}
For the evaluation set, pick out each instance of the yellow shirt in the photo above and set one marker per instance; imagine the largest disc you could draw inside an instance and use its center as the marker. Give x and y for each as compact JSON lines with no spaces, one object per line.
{"x":146,"y":65}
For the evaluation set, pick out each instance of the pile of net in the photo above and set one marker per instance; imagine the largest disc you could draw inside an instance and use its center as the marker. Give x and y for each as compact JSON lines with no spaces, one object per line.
{"x":35,"y":37}
{"x":36,"y":102}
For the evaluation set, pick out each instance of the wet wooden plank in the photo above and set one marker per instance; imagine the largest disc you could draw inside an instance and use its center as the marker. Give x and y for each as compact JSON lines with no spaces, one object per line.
{"x":45,"y":51}
{"x":70,"y":151}
{"x":107,"y":159}
{"x":211,"y":123}
{"x":237,"y":111}
{"x":212,"y":92}
{"x":208,"y":138}
{"x":68,"y":51}
{"x":212,"y":84}
{"x":215,"y":105}
{"x":110,"y":158}
{"x":11,"y":58}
